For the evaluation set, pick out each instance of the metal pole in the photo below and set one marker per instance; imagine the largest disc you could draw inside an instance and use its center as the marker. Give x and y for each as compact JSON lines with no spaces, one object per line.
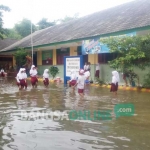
{"x":31,"y":43}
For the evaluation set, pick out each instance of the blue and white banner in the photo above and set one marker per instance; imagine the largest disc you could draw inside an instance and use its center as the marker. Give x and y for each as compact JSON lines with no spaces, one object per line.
{"x":95,"y":46}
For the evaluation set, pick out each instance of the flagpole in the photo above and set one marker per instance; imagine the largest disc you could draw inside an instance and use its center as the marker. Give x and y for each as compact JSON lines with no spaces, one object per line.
{"x":31,"y":43}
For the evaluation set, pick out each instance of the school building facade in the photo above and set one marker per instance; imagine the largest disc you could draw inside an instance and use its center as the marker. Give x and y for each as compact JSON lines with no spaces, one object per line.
{"x":50,"y":45}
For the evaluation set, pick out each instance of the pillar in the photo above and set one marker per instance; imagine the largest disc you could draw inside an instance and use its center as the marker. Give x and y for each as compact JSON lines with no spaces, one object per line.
{"x":54,"y":57}
{"x":73,"y":51}
{"x":93,"y":58}
{"x":39,"y":58}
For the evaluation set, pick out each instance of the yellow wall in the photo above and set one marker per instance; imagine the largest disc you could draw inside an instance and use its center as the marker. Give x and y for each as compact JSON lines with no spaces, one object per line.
{"x":14,"y":61}
{"x":54,"y":57}
{"x":39,"y":58}
{"x":93,"y":58}
{"x":73,"y":51}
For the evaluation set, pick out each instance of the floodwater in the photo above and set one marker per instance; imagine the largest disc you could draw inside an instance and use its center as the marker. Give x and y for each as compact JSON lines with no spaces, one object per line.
{"x":20,"y":130}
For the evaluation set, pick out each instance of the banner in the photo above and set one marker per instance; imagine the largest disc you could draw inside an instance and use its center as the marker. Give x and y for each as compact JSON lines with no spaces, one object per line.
{"x":95,"y":46}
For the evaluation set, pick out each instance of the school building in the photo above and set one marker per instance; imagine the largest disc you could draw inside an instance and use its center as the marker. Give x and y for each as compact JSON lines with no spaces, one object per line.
{"x":50,"y":45}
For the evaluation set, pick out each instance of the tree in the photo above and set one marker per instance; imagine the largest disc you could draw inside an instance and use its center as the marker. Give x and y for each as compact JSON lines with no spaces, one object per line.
{"x":43,"y":23}
{"x":2,"y":30}
{"x":132,"y":51}
{"x":24,"y":27}
{"x":13,"y":34}
{"x":20,"y":57}
{"x":68,"y":18}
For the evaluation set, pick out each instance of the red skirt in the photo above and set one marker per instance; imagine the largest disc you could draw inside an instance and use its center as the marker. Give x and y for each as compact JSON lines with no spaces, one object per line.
{"x":114,"y":87}
{"x":2,"y":74}
{"x":34,"y":80}
{"x":72,"y":83}
{"x":80,"y":90}
{"x":97,"y":73}
{"x":46,"y":82}
{"x":22,"y":83}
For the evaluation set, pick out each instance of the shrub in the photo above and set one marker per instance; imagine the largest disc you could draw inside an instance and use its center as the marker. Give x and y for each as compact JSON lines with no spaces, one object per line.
{"x":53,"y":71}
{"x":146,"y":82}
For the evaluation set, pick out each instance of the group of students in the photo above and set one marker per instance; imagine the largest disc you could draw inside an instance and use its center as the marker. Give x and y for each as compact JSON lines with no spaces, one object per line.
{"x":22,"y":77}
{"x":80,"y":81}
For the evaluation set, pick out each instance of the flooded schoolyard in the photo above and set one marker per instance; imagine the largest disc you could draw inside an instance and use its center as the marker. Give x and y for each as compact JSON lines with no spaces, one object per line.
{"x":21,"y":129}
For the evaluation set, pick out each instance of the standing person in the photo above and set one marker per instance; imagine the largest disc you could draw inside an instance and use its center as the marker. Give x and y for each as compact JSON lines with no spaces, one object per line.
{"x":97,"y":71}
{"x":20,"y":79}
{"x":80,"y":83}
{"x":85,"y":66}
{"x":33,"y":75}
{"x":114,"y":83}
{"x":87,"y":77}
{"x":46,"y":77}
{"x":2,"y":73}
{"x":25,"y":77}
{"x":89,"y":66}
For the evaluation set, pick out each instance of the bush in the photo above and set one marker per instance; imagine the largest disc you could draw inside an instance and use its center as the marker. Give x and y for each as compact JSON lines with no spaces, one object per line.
{"x":53,"y":71}
{"x":146,"y":82}
{"x":100,"y":82}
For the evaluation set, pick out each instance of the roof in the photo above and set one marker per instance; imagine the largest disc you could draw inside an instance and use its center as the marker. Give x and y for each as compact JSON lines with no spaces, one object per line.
{"x":6,"y":42}
{"x":131,"y":15}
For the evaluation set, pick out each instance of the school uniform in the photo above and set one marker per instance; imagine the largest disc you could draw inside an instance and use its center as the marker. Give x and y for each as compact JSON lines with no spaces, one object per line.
{"x":46,"y":77}
{"x":33,"y":75}
{"x":115,"y":81}
{"x":73,"y":79}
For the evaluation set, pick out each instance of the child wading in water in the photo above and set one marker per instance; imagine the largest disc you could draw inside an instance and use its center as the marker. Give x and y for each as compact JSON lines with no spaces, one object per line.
{"x":114,"y":83}
{"x":73,"y":79}
{"x":46,"y":77}
{"x":80,"y":83}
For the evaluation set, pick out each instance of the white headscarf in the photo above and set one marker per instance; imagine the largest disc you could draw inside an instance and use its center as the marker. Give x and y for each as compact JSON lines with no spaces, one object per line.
{"x":115,"y":77}
{"x":33,"y":72}
{"x":46,"y":74}
{"x":19,"y":75}
{"x":73,"y":75}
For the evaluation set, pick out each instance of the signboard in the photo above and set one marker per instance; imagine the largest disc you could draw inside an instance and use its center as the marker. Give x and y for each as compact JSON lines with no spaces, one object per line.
{"x":95,"y":46}
{"x":72,"y":63}
{"x":46,"y":54}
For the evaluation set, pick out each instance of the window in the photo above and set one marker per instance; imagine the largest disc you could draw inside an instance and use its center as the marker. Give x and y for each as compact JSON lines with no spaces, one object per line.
{"x":105,"y":57}
{"x":47,"y":57}
{"x":60,"y":53}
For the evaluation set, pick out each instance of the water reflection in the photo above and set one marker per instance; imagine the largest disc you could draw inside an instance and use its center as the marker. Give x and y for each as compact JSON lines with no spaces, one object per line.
{"x":40,"y":133}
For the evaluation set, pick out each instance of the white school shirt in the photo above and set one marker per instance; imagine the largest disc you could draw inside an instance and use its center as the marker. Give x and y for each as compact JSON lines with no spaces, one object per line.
{"x":80,"y":82}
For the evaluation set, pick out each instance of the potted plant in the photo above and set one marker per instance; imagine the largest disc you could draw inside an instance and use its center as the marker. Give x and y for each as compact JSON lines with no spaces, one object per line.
{"x":53,"y":71}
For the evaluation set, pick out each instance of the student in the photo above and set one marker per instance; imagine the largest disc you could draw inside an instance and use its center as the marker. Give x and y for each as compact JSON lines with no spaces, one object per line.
{"x":20,"y":79}
{"x":115,"y":81}
{"x":80,"y":83}
{"x":73,"y":78}
{"x":2,"y":73}
{"x":97,"y":71}
{"x":46,"y":77}
{"x":33,"y":75}
{"x":87,"y":77}
{"x":25,"y":77}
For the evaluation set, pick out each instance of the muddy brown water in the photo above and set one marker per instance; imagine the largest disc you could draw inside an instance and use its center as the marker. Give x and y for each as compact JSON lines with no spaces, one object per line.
{"x":21,"y":129}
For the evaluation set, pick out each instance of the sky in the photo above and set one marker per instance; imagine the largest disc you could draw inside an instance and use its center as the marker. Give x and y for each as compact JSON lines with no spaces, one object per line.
{"x":35,"y":10}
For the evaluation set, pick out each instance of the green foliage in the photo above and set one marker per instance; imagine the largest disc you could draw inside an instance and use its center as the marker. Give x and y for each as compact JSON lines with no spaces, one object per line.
{"x":12,"y":33}
{"x":20,"y":56}
{"x":2,"y":30}
{"x":132,"y":51}
{"x":100,"y":81}
{"x":43,"y":23}
{"x":53,"y":71}
{"x":24,"y":27}
{"x":146,"y":82}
